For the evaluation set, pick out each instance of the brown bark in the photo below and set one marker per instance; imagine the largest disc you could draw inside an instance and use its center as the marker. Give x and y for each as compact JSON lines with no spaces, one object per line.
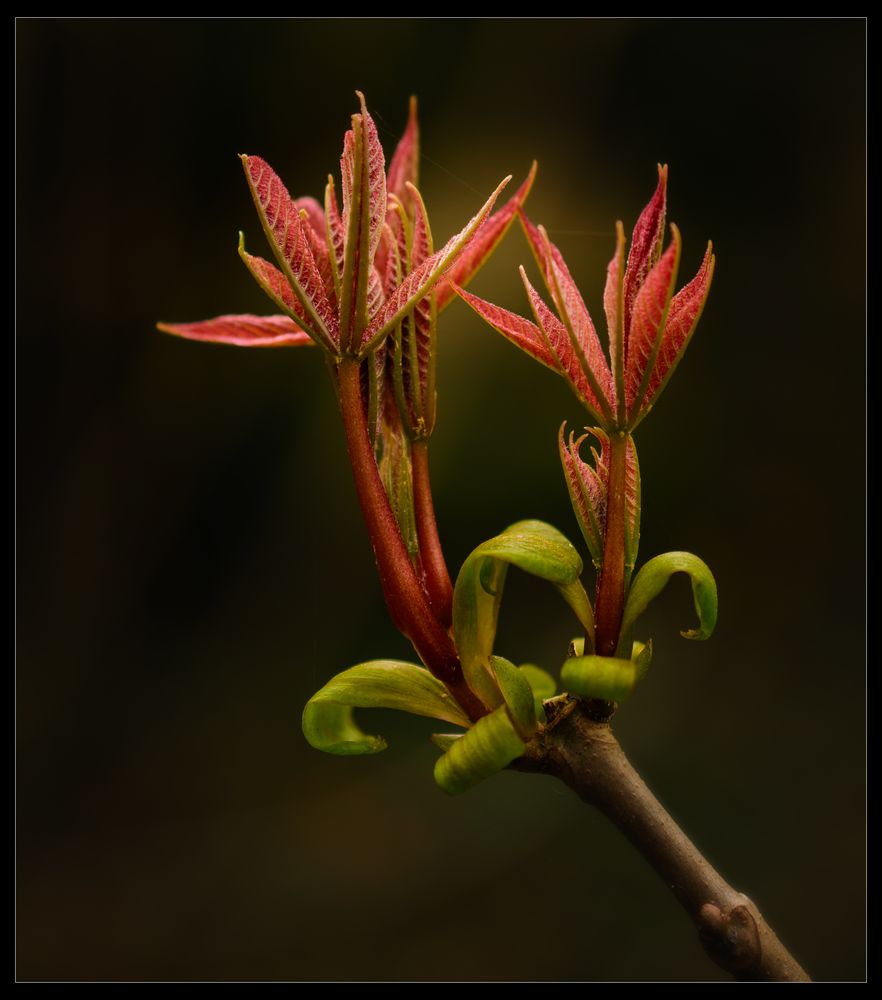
{"x":577,"y":745}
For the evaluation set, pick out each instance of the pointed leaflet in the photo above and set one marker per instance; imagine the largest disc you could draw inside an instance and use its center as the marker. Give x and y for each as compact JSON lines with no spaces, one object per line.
{"x":400,"y":225}
{"x":653,"y":578}
{"x":417,"y":284}
{"x":348,"y":170}
{"x":364,"y":214}
{"x":415,"y":342}
{"x":373,"y":180}
{"x":614,"y":307}
{"x":421,"y":245}
{"x":532,"y":546}
{"x":335,"y":235}
{"x":388,"y":261}
{"x":327,"y":719}
{"x":242,"y":330}
{"x":287,"y":235}
{"x":646,"y":242}
{"x":483,"y":243}
{"x":354,"y":270}
{"x":559,"y":342}
{"x":404,"y":166}
{"x":278,"y":288}
{"x":573,"y":314}
{"x":317,"y":233}
{"x":648,"y":323}
{"x":521,"y":332}
{"x":683,"y":315}
{"x":489,"y":746}
{"x":588,"y":488}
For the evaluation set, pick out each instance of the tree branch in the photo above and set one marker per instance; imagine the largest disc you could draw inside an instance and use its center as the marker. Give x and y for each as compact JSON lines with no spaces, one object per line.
{"x":577,"y":745}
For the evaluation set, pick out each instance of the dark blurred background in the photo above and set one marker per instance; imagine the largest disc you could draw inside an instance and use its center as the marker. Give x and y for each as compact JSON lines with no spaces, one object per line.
{"x":191,"y":564}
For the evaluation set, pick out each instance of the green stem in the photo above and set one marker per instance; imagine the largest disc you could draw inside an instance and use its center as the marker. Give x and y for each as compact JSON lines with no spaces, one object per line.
{"x":610,"y":598}
{"x":408,"y":605}
{"x":438,"y":585}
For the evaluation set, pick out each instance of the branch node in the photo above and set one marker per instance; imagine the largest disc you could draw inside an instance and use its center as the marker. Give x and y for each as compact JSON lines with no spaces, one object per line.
{"x":731,"y":938}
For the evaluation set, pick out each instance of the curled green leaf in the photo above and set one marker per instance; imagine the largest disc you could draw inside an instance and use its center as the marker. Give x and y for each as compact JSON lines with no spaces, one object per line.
{"x":651,"y":581}
{"x":608,"y":677}
{"x":532,"y":546}
{"x":489,"y":746}
{"x":327,"y":719}
{"x":599,"y":677}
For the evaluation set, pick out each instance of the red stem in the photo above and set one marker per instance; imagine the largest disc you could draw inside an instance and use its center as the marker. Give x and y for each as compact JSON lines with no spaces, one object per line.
{"x":610,"y":598}
{"x":404,"y":596}
{"x":438,"y":585}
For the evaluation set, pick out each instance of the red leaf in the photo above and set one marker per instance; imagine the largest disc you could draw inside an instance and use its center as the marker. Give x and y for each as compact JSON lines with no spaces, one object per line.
{"x":317,"y":234}
{"x":571,"y":308}
{"x":400,"y":225}
{"x":683,"y":315}
{"x":243,"y":331}
{"x":404,"y":166}
{"x":646,"y":244}
{"x":521,"y":332}
{"x":589,"y":488}
{"x":336,"y":234}
{"x":314,"y":213}
{"x":347,"y":169}
{"x":561,"y":347}
{"x":375,"y":176}
{"x":632,"y":505}
{"x":421,"y":244}
{"x":613,"y":305}
{"x":375,"y":296}
{"x":483,"y":243}
{"x":289,"y":239}
{"x":417,"y":333}
{"x":650,"y":309}
{"x":276,"y":285}
{"x":387,"y":261}
{"x":420,"y":281}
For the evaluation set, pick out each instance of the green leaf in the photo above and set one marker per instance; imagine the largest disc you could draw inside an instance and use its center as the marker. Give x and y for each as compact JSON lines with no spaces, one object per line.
{"x":327,"y":719}
{"x":607,"y":677}
{"x":489,"y":746}
{"x":518,"y":695}
{"x":542,"y":684}
{"x":651,"y":581}
{"x":397,"y":474}
{"x":444,"y":741}
{"x":532,"y":546}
